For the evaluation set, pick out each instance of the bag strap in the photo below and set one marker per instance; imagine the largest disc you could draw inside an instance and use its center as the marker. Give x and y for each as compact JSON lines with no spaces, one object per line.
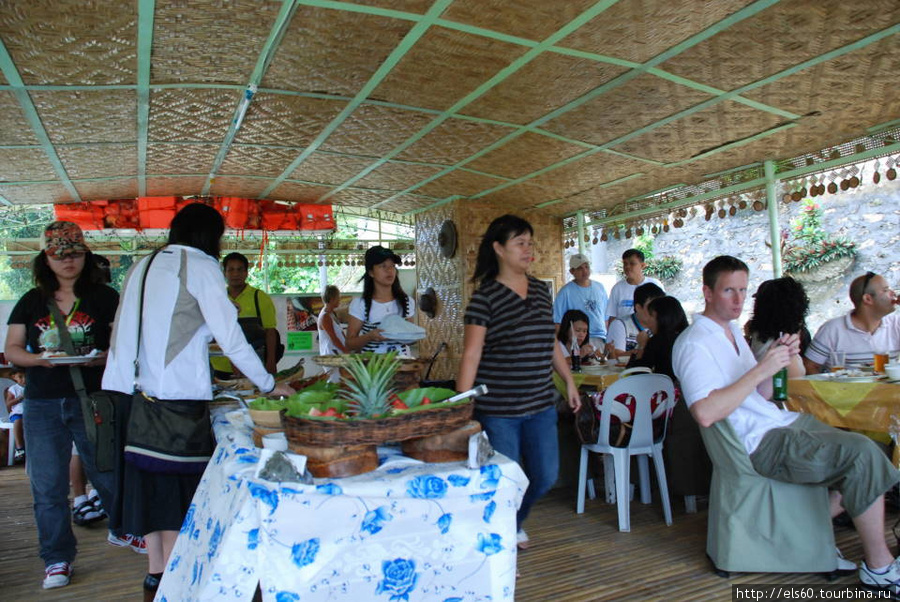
{"x":69,"y":347}
{"x":256,"y":300}
{"x":137,"y":346}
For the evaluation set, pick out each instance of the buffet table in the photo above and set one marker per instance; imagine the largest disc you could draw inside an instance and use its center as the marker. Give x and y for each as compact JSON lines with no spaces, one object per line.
{"x":407,"y":531}
{"x":861,"y":406}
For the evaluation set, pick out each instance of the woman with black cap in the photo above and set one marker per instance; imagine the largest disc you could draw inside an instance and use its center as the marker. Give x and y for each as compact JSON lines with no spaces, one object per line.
{"x":382,"y":297}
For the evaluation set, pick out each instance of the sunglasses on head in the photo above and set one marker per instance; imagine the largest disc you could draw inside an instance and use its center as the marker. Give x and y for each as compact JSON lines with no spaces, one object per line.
{"x":866,"y":281}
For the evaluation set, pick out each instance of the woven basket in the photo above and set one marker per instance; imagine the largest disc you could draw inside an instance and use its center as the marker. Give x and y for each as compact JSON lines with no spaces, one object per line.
{"x":409,"y":373}
{"x":361,"y":432}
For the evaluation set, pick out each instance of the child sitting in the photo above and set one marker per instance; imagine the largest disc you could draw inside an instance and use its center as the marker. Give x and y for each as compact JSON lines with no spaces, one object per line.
{"x":15,"y":395}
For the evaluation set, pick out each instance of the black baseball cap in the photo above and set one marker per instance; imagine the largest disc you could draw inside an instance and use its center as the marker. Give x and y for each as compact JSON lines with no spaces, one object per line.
{"x":379,"y":254}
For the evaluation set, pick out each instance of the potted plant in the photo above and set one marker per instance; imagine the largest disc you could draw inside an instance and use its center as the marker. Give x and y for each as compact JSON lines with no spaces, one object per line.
{"x":813,"y":254}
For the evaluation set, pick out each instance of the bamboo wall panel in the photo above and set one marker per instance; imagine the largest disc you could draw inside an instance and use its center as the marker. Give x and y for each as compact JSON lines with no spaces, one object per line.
{"x":88,"y":115}
{"x":239,"y":187}
{"x":374,"y":130}
{"x":638,"y":30}
{"x":329,"y":168}
{"x":460,"y":61}
{"x":162,"y":186}
{"x":99,"y":161}
{"x":65,"y":42}
{"x":772,"y":40}
{"x":547,"y":82}
{"x":524,"y":155}
{"x":120,"y":188}
{"x":286,"y":120}
{"x":190,"y":159}
{"x":302,"y":193}
{"x":26,"y":164}
{"x":396,"y":176}
{"x":530,"y":19}
{"x":635,"y":104}
{"x":215,"y":42}
{"x":191,"y":115}
{"x":357,"y":197}
{"x":453,"y":141}
{"x":459,"y":182}
{"x":314,"y":55}
{"x":14,"y":128}
{"x":35,"y":194}
{"x":248,"y":160}
{"x":593,"y":170}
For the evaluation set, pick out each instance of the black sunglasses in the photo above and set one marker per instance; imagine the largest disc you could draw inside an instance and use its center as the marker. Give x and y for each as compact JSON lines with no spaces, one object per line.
{"x":866,"y":280}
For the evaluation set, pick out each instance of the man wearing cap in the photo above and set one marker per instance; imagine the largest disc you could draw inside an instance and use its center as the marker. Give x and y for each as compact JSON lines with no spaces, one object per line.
{"x":584,"y":294}
{"x":872,"y":327}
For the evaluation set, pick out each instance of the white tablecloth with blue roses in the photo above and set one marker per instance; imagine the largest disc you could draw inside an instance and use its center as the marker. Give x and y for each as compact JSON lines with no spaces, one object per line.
{"x":407,"y":531}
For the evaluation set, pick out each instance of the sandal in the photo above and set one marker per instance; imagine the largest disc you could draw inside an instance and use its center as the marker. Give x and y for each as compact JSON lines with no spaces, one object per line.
{"x":85,"y":513}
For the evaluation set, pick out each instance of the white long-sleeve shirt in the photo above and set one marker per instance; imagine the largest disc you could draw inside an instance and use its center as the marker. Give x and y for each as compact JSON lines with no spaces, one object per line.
{"x":185,"y":307}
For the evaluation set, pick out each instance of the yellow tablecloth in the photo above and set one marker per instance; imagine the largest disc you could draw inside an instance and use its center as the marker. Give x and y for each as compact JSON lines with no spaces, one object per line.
{"x":855,"y":406}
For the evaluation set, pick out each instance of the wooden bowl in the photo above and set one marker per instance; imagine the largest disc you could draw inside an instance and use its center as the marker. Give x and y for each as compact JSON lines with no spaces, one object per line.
{"x":449,"y":446}
{"x":336,"y":462}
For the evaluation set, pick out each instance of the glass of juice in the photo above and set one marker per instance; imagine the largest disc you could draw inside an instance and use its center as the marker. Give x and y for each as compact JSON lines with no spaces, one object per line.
{"x":880,"y":361}
{"x":837,"y":360}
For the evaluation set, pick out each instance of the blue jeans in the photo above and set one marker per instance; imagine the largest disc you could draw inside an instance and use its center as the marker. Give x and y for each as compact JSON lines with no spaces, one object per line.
{"x":533,"y":442}
{"x":51,"y":425}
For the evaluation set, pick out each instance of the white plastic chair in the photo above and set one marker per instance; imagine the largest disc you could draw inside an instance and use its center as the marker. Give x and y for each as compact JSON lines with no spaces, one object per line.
{"x":5,"y":424}
{"x":642,"y":387}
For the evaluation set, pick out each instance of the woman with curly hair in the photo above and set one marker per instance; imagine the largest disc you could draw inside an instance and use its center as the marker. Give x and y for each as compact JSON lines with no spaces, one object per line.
{"x":780,"y":307}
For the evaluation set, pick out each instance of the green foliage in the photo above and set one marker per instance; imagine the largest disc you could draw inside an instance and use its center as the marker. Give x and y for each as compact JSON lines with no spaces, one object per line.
{"x":644,"y":244}
{"x":370,"y":385}
{"x":663,"y":268}
{"x":812,"y":246}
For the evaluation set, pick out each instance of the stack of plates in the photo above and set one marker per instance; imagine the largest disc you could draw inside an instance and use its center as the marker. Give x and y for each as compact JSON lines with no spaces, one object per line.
{"x":395,"y":328}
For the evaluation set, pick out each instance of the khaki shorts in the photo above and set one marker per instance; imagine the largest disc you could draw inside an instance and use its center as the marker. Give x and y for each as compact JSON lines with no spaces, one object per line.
{"x":811,"y":453}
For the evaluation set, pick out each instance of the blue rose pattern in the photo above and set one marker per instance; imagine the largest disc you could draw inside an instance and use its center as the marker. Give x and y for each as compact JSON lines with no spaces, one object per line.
{"x":188,"y":524}
{"x":286,"y":597}
{"x":373,"y":520}
{"x":427,"y":487}
{"x":489,"y":511}
{"x":444,"y":521}
{"x":490,"y":476}
{"x":458,"y":480}
{"x":488,"y":545}
{"x":253,"y":539}
{"x":330,"y":489}
{"x":269,"y":498}
{"x":214,"y":540}
{"x":400,"y":578}
{"x":305,"y":552}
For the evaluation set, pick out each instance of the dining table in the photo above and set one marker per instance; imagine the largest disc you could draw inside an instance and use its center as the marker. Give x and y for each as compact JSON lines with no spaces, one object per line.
{"x":863,"y":404}
{"x":408,"y":530}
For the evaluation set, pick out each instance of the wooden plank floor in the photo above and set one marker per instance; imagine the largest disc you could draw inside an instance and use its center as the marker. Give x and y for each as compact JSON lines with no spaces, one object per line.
{"x":572,"y":557}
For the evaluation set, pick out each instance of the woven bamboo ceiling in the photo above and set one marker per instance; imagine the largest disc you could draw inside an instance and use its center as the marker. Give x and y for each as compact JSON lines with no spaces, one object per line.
{"x":402,"y":104}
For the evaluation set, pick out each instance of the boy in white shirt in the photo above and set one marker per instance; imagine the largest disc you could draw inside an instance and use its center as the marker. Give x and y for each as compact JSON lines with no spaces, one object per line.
{"x":621,"y":297}
{"x":15,"y":397}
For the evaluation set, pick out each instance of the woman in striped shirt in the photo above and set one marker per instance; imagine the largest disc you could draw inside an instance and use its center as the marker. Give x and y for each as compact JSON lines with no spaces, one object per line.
{"x":510,"y":347}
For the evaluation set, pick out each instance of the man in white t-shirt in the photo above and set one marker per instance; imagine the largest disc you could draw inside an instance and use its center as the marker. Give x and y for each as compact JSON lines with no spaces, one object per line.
{"x":721,"y":380}
{"x":621,"y":297}
{"x":872,"y":327}
{"x":586,"y":295}
{"x":628,"y":336}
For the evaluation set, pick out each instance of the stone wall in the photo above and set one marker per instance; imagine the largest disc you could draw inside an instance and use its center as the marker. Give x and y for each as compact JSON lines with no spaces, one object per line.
{"x":451,"y":277}
{"x":869,"y":215}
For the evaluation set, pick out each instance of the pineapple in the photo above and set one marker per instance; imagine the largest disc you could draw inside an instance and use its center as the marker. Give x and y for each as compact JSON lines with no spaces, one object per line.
{"x":369,"y":389}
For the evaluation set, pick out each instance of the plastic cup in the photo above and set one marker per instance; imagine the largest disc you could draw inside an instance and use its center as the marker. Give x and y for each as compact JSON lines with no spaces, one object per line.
{"x":837,"y":360}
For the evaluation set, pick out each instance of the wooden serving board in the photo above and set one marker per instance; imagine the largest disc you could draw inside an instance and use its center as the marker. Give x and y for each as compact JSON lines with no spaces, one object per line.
{"x":450,"y":446}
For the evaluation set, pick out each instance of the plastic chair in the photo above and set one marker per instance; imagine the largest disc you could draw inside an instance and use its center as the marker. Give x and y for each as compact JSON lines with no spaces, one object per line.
{"x":5,"y":424}
{"x":642,"y":388}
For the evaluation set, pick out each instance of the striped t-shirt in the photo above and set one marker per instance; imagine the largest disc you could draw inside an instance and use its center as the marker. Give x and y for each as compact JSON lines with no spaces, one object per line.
{"x":517,"y":358}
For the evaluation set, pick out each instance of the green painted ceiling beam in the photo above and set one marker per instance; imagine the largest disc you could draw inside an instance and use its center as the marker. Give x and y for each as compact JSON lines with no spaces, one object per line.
{"x":288,"y":7}
{"x":749,"y":185}
{"x":861,"y":43}
{"x":697,"y":38}
{"x":146,"y":9}
{"x":409,"y":40}
{"x":11,"y":73}
{"x":485,"y":87}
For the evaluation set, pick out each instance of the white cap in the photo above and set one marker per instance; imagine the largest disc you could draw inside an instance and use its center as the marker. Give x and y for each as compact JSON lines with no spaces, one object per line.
{"x":577,"y":259}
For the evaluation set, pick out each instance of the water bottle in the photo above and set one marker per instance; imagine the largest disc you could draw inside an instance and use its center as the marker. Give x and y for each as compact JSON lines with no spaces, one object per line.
{"x":779,"y":385}
{"x":575,"y":352}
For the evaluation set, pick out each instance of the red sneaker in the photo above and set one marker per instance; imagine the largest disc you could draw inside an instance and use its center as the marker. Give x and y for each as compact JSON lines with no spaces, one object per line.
{"x":57,"y":575}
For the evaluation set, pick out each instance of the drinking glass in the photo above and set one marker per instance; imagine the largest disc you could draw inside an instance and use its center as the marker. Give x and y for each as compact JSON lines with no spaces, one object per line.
{"x":837,"y":360}
{"x":880,"y":361}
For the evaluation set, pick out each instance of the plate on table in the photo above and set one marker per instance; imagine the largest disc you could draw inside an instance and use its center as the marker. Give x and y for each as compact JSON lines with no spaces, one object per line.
{"x":837,"y":377}
{"x":403,"y":337}
{"x":62,"y":360}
